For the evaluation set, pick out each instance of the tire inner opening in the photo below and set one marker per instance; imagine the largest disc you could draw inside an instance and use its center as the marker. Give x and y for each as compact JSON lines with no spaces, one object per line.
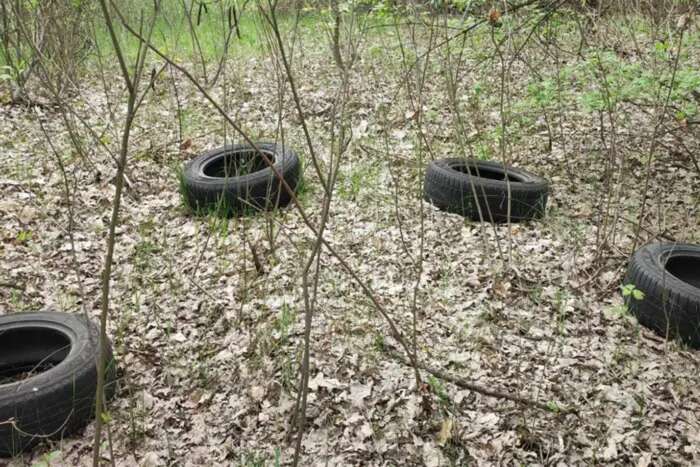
{"x":484,"y":172}
{"x":235,"y":164}
{"x":28,"y":351}
{"x":685,"y":268}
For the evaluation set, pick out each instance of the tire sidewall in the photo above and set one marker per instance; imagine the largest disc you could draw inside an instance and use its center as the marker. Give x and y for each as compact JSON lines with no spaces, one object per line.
{"x":670,"y":306}
{"x":653,"y":258}
{"x":60,"y":399}
{"x":194,"y":170}
{"x":485,"y":199}
{"x":527,"y":179}
{"x":259,"y":190}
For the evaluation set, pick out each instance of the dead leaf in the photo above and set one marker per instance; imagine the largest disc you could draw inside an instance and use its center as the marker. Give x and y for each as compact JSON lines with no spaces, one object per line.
{"x":445,"y":433}
{"x":358,"y":392}
{"x":185,"y":145}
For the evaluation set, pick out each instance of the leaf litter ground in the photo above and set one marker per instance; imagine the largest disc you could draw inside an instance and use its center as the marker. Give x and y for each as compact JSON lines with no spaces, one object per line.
{"x":208,"y":348}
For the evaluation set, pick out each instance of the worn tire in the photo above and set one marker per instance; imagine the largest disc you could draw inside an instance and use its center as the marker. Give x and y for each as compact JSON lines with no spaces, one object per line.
{"x":209,"y":187}
{"x":59,"y":400}
{"x":669,"y":276}
{"x":450,"y":185}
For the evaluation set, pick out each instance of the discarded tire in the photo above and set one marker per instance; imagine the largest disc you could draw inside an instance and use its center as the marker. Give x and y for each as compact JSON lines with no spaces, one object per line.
{"x":235,"y":179}
{"x":48,"y":377}
{"x":479,"y":190}
{"x":668,"y":274}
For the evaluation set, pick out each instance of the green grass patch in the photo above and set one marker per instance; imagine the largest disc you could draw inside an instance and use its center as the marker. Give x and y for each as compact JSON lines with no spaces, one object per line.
{"x":361,"y":177}
{"x":206,"y":37}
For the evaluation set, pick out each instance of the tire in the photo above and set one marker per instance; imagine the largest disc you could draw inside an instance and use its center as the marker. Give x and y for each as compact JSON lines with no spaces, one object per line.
{"x":450,"y":185}
{"x":209,"y":186}
{"x":669,"y":276}
{"x":59,"y":400}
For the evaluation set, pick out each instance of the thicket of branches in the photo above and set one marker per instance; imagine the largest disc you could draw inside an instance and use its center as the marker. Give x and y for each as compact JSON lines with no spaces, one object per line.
{"x":45,"y":45}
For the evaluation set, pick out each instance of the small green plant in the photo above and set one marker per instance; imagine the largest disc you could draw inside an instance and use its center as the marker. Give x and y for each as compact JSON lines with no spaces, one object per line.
{"x":616,"y":311}
{"x":553,"y":407}
{"x":48,"y":458}
{"x":143,"y":252}
{"x":203,"y":375}
{"x":641,"y":406}
{"x":484,"y":151}
{"x":439,"y":390}
{"x":106,"y":417}
{"x":610,"y":80}
{"x":182,"y":189}
{"x":561,"y":298}
{"x":303,"y":189}
{"x":16,"y":299}
{"x":542,"y":93}
{"x":5,"y":73}
{"x":361,"y":177}
{"x":283,"y":322}
{"x":382,"y":9}
{"x":23,"y":236}
{"x":255,"y":459}
{"x":630,"y":290}
{"x":379,"y":344}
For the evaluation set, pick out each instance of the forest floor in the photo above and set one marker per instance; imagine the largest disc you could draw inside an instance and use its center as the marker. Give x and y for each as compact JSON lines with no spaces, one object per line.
{"x":208,"y":347}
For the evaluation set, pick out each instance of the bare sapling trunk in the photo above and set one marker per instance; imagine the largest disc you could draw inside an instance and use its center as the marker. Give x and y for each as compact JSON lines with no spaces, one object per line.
{"x":131,"y":82}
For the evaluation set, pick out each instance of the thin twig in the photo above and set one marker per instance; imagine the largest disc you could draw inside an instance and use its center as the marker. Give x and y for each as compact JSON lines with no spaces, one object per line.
{"x":486,"y":391}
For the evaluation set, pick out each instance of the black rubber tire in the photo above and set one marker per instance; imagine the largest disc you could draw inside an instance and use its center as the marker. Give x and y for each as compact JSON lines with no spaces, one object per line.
{"x":450,"y":185}
{"x":669,"y":276}
{"x":60,"y":400}
{"x":235,"y":195}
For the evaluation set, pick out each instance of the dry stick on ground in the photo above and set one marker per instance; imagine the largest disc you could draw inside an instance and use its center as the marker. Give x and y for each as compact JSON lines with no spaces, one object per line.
{"x":259,"y":268}
{"x":193,"y":274}
{"x":366,"y":289}
{"x":132,"y":84}
{"x":487,"y":391}
{"x":178,"y":105}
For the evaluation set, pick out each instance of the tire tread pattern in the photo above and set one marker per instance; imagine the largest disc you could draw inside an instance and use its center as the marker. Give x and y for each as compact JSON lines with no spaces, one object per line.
{"x":59,"y":401}
{"x":670,"y":307}
{"x":453,"y":191}
{"x":260,"y":190}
